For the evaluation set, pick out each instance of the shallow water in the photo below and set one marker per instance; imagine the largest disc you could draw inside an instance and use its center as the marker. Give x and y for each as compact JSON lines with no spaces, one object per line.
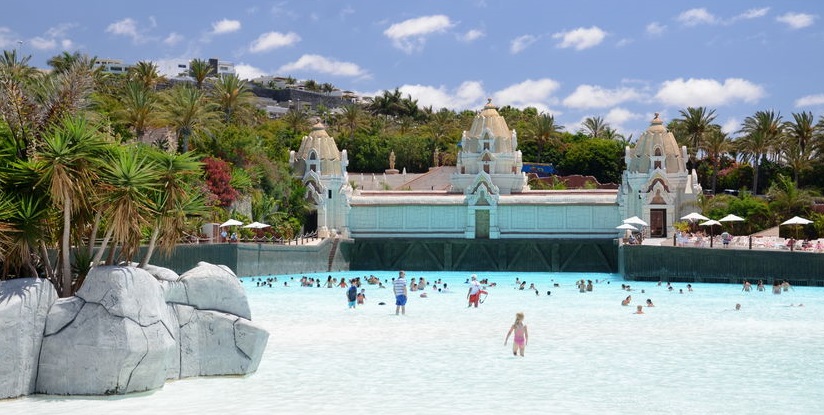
{"x":690,"y":354}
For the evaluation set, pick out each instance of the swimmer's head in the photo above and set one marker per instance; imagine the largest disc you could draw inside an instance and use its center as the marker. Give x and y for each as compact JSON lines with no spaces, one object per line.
{"x":474,"y":277}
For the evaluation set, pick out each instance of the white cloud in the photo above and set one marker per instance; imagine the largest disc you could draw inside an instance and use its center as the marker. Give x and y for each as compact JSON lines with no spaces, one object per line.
{"x":273,"y":40}
{"x":471,"y":35}
{"x":320,"y":64}
{"x":810,"y":101}
{"x":617,"y":116}
{"x":7,"y":38}
{"x":469,"y":95}
{"x":66,"y":44}
{"x":126,"y":27}
{"x":42,"y":44}
{"x":655,"y":29}
{"x":346,"y":11}
{"x":580,"y":38}
{"x":529,"y":93}
{"x":730,"y":126}
{"x":797,"y":20}
{"x":753,"y":13}
{"x":173,"y":39}
{"x":245,"y":71}
{"x":593,"y":96}
{"x":521,"y":42}
{"x":695,"y":17}
{"x":410,"y":35}
{"x":225,"y":26}
{"x":708,"y":92}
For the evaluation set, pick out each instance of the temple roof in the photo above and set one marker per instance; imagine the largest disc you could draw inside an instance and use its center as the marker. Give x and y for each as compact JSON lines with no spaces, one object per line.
{"x":656,"y":142}
{"x":489,"y":118}
{"x":325,"y":149}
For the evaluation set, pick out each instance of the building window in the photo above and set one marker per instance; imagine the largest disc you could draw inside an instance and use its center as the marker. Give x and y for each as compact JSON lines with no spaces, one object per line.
{"x":330,"y":193}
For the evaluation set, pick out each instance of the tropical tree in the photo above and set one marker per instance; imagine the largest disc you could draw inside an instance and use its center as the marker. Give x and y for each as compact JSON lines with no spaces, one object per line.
{"x":760,"y":133}
{"x":695,"y":123}
{"x":187,"y":111}
{"x":145,"y":73}
{"x":543,"y":130}
{"x":351,"y":118}
{"x":128,"y":177}
{"x":200,"y":69}
{"x":67,"y":164}
{"x":715,"y":143}
{"x":233,"y":97}
{"x":787,"y":200}
{"x":175,"y":200}
{"x":594,"y":127}
{"x":297,"y":120}
{"x":801,"y":142}
{"x":139,"y":107}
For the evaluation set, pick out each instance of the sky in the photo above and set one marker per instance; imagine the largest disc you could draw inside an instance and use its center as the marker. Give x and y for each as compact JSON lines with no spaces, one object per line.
{"x":619,"y":60}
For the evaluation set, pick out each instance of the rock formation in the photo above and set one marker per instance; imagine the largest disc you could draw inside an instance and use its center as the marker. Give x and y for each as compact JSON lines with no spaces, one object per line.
{"x":126,"y":330}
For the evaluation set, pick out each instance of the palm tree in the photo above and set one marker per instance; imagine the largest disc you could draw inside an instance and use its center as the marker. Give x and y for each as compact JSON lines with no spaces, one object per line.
{"x":187,"y":111}
{"x":175,"y":199}
{"x":232,"y":96}
{"x":199,"y":69}
{"x":145,"y":72}
{"x":352,"y":117}
{"x":695,"y":124}
{"x":67,"y":165}
{"x":761,"y":132}
{"x":139,"y":107}
{"x":715,"y":143}
{"x":297,"y":120}
{"x":594,"y":127}
{"x":544,"y":130}
{"x":787,"y":200}
{"x":128,"y":178}
{"x":800,"y":144}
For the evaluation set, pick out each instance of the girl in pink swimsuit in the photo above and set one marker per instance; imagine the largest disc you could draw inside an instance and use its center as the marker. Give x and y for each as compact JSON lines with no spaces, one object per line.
{"x":521,"y":335}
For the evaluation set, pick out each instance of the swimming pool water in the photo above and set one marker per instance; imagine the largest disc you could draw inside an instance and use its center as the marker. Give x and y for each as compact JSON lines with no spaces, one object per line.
{"x":690,"y":354}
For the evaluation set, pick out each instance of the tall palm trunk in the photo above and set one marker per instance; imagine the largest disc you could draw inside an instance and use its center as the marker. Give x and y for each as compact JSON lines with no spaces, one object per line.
{"x":151,"y":248}
{"x":65,"y":248}
{"x":99,"y":255}
{"x":93,"y":236}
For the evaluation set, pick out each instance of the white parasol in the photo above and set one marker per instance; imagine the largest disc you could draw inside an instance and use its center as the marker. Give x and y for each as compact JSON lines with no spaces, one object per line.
{"x":257,"y":225}
{"x":231,"y":222}
{"x":731,"y":218}
{"x":626,"y":226}
{"x":694,"y":216}
{"x":635,"y":220}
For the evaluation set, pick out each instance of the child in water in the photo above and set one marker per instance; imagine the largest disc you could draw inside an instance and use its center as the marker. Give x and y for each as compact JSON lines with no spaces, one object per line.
{"x":521,"y":337}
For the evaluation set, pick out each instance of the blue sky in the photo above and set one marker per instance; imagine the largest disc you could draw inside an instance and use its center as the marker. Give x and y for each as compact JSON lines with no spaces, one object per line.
{"x":619,"y":60}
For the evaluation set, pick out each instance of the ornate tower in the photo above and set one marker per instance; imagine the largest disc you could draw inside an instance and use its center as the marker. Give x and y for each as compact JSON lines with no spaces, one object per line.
{"x":322,"y":168}
{"x":656,"y":185}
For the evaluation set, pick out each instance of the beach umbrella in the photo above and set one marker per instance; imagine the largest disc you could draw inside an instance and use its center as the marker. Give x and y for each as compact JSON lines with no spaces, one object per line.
{"x":635,"y":220}
{"x":694,"y":216}
{"x":710,"y":223}
{"x":626,"y":226}
{"x":231,"y":222}
{"x":731,"y":218}
{"x":257,"y":225}
{"x":796,"y":221}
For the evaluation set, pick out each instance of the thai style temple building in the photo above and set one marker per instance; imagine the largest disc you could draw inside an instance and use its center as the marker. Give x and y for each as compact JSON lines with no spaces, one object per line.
{"x":656,"y":185}
{"x":323,"y":170}
{"x":486,"y":197}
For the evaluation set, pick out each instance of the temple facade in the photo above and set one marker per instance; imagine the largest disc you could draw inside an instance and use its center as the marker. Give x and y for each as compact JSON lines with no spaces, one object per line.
{"x":486,"y":195}
{"x":656,"y":185}
{"x":322,"y":168}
